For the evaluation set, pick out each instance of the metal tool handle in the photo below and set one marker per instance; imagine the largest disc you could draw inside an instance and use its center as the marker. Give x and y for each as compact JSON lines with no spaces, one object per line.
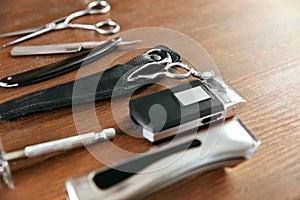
{"x":49,"y":147}
{"x":143,"y":184}
{"x":143,"y":174}
{"x":103,"y":27}
{"x":92,"y":8}
{"x":60,"y":67}
{"x":68,"y":143}
{"x":61,"y":48}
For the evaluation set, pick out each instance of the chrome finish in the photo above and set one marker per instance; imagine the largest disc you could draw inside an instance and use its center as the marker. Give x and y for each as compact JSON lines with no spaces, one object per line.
{"x":168,"y":69}
{"x":232,"y":101}
{"x":2,"y":84}
{"x":62,"y":48}
{"x":161,"y":58}
{"x":168,"y":72}
{"x":58,"y":68}
{"x":5,"y":173}
{"x":99,"y":27}
{"x":222,"y":146}
{"x":64,"y":22}
{"x":30,"y":30}
{"x":68,"y":143}
{"x":191,"y":125}
{"x":164,"y":67}
{"x":21,"y":32}
{"x":47,"y":28}
{"x":50,"y":147}
{"x":91,"y":9}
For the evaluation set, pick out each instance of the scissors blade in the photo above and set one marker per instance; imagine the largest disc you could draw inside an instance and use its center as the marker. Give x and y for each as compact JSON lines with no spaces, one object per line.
{"x":22,"y":32}
{"x":26,"y":37}
{"x":30,"y":30}
{"x":62,"y":48}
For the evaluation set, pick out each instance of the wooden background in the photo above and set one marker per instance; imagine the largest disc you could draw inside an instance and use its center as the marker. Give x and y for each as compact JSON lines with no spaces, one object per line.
{"x":255,"y":44}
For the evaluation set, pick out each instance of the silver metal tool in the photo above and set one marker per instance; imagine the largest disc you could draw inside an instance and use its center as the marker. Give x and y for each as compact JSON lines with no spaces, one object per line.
{"x":63,"y":66}
{"x":64,"y":22}
{"x":208,"y":112}
{"x":62,"y":48}
{"x":222,"y":146}
{"x":168,"y":70}
{"x":49,"y":147}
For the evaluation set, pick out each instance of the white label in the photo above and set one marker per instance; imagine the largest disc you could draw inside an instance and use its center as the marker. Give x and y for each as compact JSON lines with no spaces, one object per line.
{"x":192,"y":96}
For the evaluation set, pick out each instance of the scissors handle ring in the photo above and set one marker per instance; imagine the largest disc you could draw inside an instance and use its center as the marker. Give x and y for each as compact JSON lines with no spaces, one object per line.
{"x":113,"y":26}
{"x":91,"y":9}
{"x":170,"y":74}
{"x":160,"y":56}
{"x":105,"y":7}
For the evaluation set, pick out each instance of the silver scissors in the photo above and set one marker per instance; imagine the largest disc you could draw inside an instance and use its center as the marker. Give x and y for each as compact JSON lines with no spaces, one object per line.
{"x":164,"y":67}
{"x":64,"y":22}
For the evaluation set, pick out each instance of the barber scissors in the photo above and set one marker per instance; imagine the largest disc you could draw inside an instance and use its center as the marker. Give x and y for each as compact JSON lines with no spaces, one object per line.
{"x":166,"y":68}
{"x":65,"y":22}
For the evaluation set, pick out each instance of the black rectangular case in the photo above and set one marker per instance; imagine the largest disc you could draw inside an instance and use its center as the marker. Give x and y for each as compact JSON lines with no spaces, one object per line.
{"x":175,"y":110}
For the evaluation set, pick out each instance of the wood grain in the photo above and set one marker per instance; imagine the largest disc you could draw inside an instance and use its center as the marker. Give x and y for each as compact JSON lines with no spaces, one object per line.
{"x":256,"y":47}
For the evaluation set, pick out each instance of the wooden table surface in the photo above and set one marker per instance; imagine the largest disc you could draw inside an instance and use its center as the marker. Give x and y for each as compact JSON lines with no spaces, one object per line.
{"x":256,"y":46}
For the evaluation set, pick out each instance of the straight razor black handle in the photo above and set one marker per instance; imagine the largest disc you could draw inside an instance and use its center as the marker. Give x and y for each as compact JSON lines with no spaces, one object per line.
{"x":61,"y":67}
